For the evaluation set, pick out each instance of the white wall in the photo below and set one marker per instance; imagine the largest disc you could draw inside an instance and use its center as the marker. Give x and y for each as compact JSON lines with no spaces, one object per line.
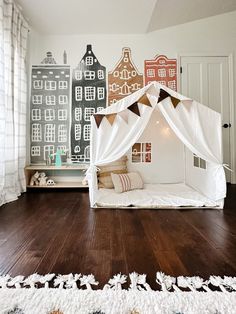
{"x":212,"y":35}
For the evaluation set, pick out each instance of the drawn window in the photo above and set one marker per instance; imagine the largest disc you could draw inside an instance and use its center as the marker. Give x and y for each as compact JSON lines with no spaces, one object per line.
{"x":162,"y":72}
{"x":171,"y":72}
{"x":88,"y":112}
{"x":125,"y":89}
{"x":49,"y":134}
{"x":35,"y":151}
{"x":100,"y":74}
{"x":48,"y":150}
{"x":78,"y":75}
{"x":172,"y":84}
{"x":101,"y":93}
{"x":63,"y":99}
{"x":87,"y":128}
{"x":37,"y":99}
{"x":89,"y":75}
{"x":114,"y":87}
{"x":78,"y":114}
{"x":78,"y":93}
{"x":162,"y":82}
{"x":62,"y":114}
{"x":134,"y":73}
{"x":77,"y":132}
{"x":62,"y":148}
{"x":36,"y":114}
{"x":38,"y":84}
{"x":199,"y":162}
{"x":116,"y":73}
{"x":89,"y":60}
{"x":36,"y":132}
{"x":124,"y":74}
{"x":89,"y":93}
{"x":62,"y":133}
{"x":150,"y":73}
{"x":63,"y":84}
{"x":142,"y":152}
{"x":49,"y":114}
{"x":135,"y":86}
{"x":50,"y":85}
{"x":99,"y":109}
{"x":51,"y":100}
{"x":77,"y":149}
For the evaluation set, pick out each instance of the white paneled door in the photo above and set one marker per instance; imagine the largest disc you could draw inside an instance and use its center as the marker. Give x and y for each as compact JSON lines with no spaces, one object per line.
{"x":206,"y":79}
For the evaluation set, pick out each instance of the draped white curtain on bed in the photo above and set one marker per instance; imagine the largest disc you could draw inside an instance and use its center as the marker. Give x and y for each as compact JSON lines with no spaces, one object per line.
{"x":197,"y":126}
{"x":13,"y":97}
{"x":108,"y":143}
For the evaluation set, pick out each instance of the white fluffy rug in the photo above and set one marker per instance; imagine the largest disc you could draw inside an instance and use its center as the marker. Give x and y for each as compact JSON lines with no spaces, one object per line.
{"x":74,"y":295}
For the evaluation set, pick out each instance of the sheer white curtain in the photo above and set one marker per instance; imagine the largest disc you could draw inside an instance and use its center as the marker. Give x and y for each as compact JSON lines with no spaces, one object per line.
{"x":13,"y":97}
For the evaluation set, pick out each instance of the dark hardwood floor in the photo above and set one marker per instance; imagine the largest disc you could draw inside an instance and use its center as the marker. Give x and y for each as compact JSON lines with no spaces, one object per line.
{"x":56,"y":231}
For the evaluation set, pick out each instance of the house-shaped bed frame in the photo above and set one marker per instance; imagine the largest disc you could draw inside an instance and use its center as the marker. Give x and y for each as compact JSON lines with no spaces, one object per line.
{"x":116,"y":129}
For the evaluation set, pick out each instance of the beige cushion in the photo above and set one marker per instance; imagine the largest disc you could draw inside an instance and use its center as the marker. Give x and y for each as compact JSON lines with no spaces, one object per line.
{"x":104,"y":173}
{"x":127,"y":181}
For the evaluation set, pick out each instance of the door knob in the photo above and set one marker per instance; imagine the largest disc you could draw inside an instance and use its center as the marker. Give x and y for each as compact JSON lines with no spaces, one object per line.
{"x":226,"y":125}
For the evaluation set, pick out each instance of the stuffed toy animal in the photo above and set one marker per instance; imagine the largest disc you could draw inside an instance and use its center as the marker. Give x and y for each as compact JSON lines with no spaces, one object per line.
{"x":85,"y":181}
{"x":50,"y":182}
{"x":34,"y":179}
{"x":42,"y":179}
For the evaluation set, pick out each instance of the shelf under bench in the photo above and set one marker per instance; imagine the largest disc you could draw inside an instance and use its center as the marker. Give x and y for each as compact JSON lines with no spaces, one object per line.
{"x":65,"y":176}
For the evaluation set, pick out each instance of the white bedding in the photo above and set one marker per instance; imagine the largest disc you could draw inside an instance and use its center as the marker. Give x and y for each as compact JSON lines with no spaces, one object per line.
{"x":154,"y":196}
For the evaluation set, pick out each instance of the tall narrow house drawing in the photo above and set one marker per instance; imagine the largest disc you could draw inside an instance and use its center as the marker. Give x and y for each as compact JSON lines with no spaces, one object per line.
{"x":49,"y":109}
{"x":88,"y":97}
{"x":125,"y":79}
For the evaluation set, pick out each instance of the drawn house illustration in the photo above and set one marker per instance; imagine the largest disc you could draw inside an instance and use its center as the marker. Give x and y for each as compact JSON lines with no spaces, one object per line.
{"x":88,"y":97}
{"x":124,"y":79}
{"x":49,"y":111}
{"x":162,"y":70}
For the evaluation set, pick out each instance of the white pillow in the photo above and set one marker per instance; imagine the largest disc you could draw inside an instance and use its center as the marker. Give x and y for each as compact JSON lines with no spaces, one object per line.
{"x":126,"y":181}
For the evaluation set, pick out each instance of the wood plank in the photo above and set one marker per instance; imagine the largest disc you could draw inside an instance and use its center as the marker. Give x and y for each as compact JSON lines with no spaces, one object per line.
{"x":56,"y":231}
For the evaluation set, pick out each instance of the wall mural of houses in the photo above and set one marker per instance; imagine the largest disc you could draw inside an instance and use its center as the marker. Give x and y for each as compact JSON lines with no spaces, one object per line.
{"x":60,"y":111}
{"x":162,"y":70}
{"x":88,"y":97}
{"x":49,"y":108}
{"x":124,"y":79}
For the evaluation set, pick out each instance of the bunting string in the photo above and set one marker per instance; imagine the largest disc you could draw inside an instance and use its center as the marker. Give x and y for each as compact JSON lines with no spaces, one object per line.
{"x":143,"y":100}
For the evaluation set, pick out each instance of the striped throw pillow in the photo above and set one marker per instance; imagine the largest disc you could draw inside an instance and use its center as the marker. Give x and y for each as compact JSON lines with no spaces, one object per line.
{"x":127,"y":181}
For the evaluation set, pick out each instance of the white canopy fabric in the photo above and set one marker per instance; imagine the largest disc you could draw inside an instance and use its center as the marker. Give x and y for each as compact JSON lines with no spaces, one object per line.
{"x":197,"y":126}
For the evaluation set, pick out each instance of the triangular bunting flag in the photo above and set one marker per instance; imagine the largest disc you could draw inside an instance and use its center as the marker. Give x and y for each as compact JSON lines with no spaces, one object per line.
{"x":111,"y":117}
{"x":187,"y":102}
{"x":144,"y":100}
{"x":174,"y":101}
{"x":124,"y":114}
{"x":134,"y":108}
{"x":163,"y":95}
{"x":98,"y":118}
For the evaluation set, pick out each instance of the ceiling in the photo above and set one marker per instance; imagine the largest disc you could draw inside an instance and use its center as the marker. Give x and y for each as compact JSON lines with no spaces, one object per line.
{"x":63,"y":17}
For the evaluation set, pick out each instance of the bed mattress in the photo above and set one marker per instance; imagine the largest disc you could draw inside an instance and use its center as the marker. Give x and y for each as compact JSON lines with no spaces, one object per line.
{"x":155,"y":196}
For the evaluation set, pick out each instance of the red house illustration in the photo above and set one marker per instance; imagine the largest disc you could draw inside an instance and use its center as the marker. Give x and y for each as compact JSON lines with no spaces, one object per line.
{"x":162,"y":70}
